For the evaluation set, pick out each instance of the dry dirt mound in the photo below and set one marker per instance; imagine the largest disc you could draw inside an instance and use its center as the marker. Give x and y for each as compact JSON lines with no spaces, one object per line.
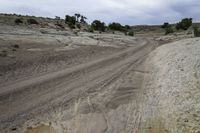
{"x":172,"y":89}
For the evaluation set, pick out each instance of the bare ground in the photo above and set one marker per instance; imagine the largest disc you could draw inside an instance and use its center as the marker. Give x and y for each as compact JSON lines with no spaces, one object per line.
{"x":49,"y":73}
{"x":96,"y":83}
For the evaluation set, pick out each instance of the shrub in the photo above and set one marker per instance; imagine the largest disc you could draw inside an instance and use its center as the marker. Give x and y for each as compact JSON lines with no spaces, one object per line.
{"x":196,"y":31}
{"x":18,"y":21}
{"x":90,"y":29}
{"x":131,"y":33}
{"x":115,"y":26}
{"x":82,"y":20}
{"x":71,"y":26}
{"x":165,"y":25}
{"x":178,"y":26}
{"x":119,"y":27}
{"x":32,"y":21}
{"x":127,"y":27}
{"x":71,"y":21}
{"x":169,"y":30}
{"x":184,"y":24}
{"x":98,"y":25}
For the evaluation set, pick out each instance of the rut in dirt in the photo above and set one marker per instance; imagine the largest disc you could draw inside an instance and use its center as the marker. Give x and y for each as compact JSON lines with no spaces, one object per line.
{"x":23,"y":100}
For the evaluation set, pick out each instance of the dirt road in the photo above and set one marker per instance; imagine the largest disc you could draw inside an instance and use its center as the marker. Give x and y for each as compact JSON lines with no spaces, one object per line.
{"x":40,"y":97}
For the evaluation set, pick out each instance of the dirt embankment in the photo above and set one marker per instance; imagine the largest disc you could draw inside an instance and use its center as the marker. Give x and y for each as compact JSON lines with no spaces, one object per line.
{"x":172,"y":88}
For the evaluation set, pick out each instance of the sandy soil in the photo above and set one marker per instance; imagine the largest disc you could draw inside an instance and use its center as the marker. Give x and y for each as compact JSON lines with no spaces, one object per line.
{"x":49,"y":71}
{"x":40,"y":53}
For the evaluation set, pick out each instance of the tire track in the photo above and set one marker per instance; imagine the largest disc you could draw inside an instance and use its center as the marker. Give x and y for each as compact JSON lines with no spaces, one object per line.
{"x":44,"y":93}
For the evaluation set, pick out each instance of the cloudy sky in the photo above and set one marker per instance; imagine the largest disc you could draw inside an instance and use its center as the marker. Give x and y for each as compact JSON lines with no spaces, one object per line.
{"x":131,"y":12}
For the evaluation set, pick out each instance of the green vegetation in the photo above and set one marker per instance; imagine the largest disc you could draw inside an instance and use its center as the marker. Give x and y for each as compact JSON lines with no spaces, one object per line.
{"x":115,"y":26}
{"x":77,"y":15}
{"x":127,"y":27}
{"x":169,"y":30}
{"x":32,"y":21}
{"x":78,"y":21}
{"x":90,"y":29}
{"x":165,"y":25}
{"x":196,"y":31}
{"x":98,"y":25}
{"x":82,"y":20}
{"x":74,"y":21}
{"x":71,"y":21}
{"x":118,"y":27}
{"x":184,"y":24}
{"x":131,"y":33}
{"x":101,"y":27}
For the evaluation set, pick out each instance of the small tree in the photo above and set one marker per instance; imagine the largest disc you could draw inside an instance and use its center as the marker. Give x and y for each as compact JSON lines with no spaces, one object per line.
{"x":57,"y":18}
{"x":82,"y":20}
{"x":165,"y":25}
{"x":98,"y":25}
{"x":178,"y":26}
{"x":168,"y":30}
{"x":71,"y":21}
{"x":115,"y":26}
{"x":71,"y":26}
{"x":127,"y":27}
{"x":196,"y":31}
{"x":184,"y":24}
{"x":131,"y":33}
{"x":77,"y":15}
{"x":90,"y":29}
{"x":119,"y":27}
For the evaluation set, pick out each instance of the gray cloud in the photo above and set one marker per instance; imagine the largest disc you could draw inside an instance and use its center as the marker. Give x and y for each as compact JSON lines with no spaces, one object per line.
{"x":126,"y":11}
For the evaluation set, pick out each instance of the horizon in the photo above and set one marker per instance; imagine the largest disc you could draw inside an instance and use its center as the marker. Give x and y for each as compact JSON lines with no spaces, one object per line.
{"x":131,"y":12}
{"x":24,"y":15}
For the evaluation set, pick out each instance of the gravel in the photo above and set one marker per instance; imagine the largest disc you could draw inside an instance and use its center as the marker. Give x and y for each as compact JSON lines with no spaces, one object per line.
{"x":172,"y":98}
